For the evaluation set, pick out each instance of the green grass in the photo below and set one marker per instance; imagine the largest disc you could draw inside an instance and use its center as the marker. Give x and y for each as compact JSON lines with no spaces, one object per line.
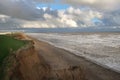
{"x":8,"y":44}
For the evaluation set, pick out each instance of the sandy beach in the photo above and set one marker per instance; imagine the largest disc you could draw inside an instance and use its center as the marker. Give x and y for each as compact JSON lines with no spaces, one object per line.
{"x":61,"y":59}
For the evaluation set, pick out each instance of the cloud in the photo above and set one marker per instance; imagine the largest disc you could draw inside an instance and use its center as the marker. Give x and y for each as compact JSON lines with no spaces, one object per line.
{"x":71,"y":17}
{"x":106,"y":5}
{"x":45,"y":1}
{"x":22,"y":9}
{"x":23,"y":13}
{"x":83,"y":18}
{"x":6,"y":22}
{"x":112,"y":18}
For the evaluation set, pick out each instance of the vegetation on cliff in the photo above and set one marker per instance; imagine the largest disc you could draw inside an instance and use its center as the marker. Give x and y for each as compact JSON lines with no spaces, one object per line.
{"x":21,"y":58}
{"x":8,"y":45}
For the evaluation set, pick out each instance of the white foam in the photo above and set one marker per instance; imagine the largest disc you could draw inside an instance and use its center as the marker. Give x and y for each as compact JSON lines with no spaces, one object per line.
{"x":99,"y":48}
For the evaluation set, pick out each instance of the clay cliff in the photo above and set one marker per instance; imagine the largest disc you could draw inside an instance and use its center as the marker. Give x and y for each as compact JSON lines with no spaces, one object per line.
{"x":28,"y":64}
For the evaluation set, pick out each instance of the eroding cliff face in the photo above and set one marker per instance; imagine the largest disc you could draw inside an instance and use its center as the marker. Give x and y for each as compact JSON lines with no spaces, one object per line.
{"x":71,"y":73}
{"x":30,"y":66}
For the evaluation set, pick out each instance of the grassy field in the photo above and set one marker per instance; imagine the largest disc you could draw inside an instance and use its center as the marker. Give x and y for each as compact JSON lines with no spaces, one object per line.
{"x":9,"y":44}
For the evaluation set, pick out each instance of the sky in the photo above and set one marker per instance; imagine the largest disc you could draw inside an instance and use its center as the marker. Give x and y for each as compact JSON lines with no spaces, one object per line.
{"x":59,"y":13}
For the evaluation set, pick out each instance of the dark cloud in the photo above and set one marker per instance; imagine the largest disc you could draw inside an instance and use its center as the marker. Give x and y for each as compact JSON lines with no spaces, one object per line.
{"x":104,"y":5}
{"x":22,"y":9}
{"x":8,"y":23}
{"x":24,"y":13}
{"x":111,"y":18}
{"x":44,"y":1}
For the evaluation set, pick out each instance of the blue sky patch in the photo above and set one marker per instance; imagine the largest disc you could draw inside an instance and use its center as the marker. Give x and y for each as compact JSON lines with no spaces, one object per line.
{"x":96,"y":20}
{"x":53,"y":6}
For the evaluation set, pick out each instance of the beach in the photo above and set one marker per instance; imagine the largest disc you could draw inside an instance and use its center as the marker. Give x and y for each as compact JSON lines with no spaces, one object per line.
{"x":60,"y":59}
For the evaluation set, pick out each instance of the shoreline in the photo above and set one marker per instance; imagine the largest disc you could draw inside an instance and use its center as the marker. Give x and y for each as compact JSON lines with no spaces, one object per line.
{"x":90,"y":60}
{"x":64,"y":62}
{"x":61,"y":41}
{"x":90,"y":71}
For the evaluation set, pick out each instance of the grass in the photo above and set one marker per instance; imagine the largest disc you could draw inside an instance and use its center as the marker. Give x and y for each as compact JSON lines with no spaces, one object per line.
{"x":8,"y":44}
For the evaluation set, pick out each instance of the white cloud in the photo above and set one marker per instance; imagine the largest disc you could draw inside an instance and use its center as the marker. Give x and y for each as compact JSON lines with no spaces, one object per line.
{"x":71,"y":23}
{"x":25,"y":14}
{"x":3,"y":18}
{"x":37,"y":24}
{"x":47,"y":16}
{"x":71,"y":17}
{"x":83,"y":17}
{"x":26,"y":9}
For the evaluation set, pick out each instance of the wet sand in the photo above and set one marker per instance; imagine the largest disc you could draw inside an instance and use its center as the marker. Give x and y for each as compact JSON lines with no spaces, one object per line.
{"x":61,"y":59}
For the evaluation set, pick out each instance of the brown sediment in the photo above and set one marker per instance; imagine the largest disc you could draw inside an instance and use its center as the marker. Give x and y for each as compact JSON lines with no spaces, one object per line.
{"x":32,"y":65}
{"x":43,"y":61}
{"x":60,"y":59}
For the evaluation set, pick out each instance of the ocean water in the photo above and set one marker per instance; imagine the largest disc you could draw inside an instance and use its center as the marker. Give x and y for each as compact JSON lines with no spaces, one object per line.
{"x":100,"y":48}
{"x":61,"y":30}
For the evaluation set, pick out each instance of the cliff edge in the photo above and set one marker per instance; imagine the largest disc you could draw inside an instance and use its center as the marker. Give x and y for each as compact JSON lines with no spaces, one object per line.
{"x":28,"y":64}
